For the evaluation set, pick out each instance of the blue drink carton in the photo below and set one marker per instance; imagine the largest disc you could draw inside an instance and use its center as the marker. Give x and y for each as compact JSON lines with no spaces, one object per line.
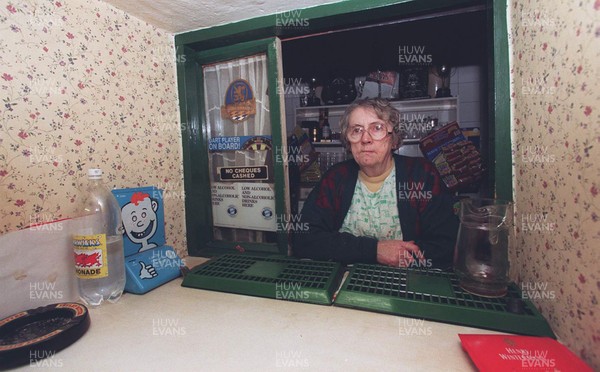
{"x":151,"y":268}
{"x":149,"y":263}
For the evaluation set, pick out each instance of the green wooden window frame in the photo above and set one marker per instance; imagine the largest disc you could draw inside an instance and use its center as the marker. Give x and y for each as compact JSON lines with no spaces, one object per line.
{"x":195,"y":146}
{"x":346,"y":14}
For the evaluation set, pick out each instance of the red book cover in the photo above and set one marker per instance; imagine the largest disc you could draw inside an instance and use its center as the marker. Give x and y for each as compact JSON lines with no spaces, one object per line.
{"x":505,"y":353}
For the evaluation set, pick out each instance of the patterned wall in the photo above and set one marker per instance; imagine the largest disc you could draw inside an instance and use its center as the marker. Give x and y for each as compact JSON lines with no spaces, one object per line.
{"x":84,"y":85}
{"x":556,"y":135}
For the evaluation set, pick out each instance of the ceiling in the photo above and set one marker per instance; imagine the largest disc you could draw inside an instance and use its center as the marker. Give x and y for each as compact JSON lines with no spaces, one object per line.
{"x":177,"y":16}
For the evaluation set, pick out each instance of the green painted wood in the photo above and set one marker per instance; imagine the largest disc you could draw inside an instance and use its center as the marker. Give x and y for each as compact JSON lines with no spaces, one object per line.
{"x":197,"y":202}
{"x":195,"y":146}
{"x":501,"y":142}
{"x":278,"y":134}
{"x":233,"y":51}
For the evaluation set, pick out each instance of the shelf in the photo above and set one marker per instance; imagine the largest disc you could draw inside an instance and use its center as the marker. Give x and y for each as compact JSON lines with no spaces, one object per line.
{"x":325,"y":144}
{"x":444,"y":102}
{"x":317,"y":108}
{"x":445,"y":109}
{"x":312,"y":112}
{"x":433,"y":104}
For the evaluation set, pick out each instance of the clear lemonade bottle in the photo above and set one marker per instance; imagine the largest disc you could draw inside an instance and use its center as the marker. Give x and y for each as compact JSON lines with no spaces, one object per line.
{"x":98,"y":244}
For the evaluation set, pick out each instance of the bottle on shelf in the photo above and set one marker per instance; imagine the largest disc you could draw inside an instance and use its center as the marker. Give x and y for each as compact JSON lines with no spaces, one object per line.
{"x":325,"y":128}
{"x":98,"y":244}
{"x":315,"y":134}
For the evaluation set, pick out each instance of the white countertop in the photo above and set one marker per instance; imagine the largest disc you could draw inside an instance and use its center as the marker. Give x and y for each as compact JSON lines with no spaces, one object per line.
{"x":176,"y":328}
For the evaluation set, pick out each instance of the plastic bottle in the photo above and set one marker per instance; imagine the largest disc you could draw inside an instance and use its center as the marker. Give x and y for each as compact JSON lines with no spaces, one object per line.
{"x":98,"y":244}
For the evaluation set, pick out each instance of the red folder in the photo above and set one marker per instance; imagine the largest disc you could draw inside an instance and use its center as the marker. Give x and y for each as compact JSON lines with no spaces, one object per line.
{"x":505,"y":353}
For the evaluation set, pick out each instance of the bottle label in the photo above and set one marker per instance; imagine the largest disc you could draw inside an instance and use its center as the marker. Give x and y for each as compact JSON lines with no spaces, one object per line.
{"x":91,"y":256}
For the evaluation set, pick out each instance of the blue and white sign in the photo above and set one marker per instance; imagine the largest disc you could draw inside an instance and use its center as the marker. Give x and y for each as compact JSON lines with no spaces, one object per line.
{"x":243,"y":143}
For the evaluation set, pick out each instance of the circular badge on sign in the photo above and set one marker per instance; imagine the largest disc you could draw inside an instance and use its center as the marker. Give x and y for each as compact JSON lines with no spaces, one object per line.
{"x":257,"y":143}
{"x":267,"y":213}
{"x":232,"y":211}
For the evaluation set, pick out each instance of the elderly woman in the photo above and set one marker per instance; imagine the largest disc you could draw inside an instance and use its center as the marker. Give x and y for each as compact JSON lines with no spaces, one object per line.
{"x":378,"y":207}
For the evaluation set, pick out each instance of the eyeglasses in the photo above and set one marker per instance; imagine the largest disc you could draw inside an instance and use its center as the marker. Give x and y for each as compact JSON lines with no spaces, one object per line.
{"x":377,"y":131}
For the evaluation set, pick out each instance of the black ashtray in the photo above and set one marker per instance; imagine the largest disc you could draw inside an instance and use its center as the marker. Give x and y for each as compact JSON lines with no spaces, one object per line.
{"x":36,"y":334}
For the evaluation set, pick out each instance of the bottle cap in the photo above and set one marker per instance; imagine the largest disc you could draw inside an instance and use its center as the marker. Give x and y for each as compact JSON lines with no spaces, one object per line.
{"x":94,"y":173}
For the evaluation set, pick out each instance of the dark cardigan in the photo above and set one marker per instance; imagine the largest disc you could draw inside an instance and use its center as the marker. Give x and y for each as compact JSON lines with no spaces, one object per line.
{"x":424,"y":205}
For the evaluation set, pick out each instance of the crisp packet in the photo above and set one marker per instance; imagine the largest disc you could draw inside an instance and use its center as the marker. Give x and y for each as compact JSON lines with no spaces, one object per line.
{"x":456,"y":159}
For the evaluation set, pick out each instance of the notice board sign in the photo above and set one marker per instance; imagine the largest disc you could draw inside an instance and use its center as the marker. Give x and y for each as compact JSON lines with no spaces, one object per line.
{"x":240,"y":143}
{"x":253,"y":173}
{"x":244,"y":205}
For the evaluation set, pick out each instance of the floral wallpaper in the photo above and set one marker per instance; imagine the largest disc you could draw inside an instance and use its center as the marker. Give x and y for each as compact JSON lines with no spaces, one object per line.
{"x":555,"y":59}
{"x":85,"y":85}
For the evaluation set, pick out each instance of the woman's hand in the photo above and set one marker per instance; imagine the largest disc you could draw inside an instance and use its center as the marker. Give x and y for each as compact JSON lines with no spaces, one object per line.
{"x":397,"y":253}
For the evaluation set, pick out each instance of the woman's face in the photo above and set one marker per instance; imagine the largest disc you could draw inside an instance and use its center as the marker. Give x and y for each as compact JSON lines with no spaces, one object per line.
{"x":370,"y":153}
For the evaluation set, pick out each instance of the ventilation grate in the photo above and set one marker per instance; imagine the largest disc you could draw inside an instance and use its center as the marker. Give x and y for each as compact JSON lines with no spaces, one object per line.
{"x":279,"y":278}
{"x":437,"y":295}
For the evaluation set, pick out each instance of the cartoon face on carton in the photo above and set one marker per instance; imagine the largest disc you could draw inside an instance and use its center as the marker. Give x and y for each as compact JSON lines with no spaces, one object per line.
{"x":140,"y":220}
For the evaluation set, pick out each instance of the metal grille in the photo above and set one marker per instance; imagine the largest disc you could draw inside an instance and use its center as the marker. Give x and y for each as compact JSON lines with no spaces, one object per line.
{"x":438,"y":296}
{"x":279,"y":278}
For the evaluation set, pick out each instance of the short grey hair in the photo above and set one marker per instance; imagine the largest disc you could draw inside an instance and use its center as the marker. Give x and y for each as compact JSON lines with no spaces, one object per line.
{"x":384,"y":111}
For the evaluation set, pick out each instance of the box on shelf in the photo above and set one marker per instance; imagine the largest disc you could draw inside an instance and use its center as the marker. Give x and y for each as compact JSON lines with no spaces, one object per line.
{"x":454,"y":156}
